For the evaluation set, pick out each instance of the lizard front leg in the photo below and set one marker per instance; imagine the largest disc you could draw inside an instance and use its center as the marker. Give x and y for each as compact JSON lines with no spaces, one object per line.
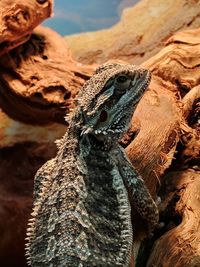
{"x":142,"y":200}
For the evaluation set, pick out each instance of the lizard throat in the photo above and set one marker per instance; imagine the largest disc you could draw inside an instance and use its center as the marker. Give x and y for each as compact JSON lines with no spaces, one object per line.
{"x":104,"y":144}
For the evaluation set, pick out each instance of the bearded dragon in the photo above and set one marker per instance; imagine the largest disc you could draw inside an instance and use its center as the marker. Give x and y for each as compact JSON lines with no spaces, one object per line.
{"x":81,"y":215}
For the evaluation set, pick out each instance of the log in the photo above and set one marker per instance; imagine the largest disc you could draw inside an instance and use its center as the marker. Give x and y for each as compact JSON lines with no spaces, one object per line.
{"x":140,"y":34}
{"x":18,"y":19}
{"x":39,"y":79}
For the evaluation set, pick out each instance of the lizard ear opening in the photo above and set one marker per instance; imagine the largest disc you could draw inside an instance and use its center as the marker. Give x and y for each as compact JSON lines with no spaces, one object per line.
{"x":103,"y":116}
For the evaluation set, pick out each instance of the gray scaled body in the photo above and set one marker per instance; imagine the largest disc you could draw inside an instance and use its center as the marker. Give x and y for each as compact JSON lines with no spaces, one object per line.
{"x":81,"y":215}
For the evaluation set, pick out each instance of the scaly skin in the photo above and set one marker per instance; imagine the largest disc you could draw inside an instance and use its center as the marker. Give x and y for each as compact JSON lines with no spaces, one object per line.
{"x":81,"y":214}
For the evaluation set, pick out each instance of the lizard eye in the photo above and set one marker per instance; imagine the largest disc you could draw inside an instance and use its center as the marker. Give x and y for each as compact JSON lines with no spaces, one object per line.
{"x":103,"y":116}
{"x":41,"y":1}
{"x":121,"y":79}
{"x":122,"y":82}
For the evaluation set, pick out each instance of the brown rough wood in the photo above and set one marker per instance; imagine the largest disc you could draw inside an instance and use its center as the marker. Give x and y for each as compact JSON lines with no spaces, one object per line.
{"x":140,"y":34}
{"x":162,"y":112}
{"x":180,"y":246}
{"x":18,"y":19}
{"x":39,"y":79}
{"x":169,"y":115}
{"x":159,"y":118}
{"x":189,"y":100}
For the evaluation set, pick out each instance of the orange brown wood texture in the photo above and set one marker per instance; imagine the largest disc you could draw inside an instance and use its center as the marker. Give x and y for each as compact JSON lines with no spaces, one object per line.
{"x":18,"y":19}
{"x":39,"y":80}
{"x":140,"y":33}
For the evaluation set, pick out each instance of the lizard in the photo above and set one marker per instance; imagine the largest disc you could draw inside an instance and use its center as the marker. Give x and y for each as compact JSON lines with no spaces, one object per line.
{"x":81,"y":213}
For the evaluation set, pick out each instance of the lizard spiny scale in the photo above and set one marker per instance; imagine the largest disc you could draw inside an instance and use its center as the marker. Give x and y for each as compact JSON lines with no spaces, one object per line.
{"x":81,"y":214}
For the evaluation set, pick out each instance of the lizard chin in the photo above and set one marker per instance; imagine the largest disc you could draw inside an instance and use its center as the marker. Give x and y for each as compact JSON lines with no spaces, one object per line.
{"x":116,"y":128}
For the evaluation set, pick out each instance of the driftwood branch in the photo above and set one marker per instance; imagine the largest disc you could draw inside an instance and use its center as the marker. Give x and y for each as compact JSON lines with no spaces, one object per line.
{"x":39,"y":79}
{"x":164,"y":108}
{"x":38,"y":83}
{"x":18,"y":19}
{"x":140,"y":34}
{"x":179,"y":246}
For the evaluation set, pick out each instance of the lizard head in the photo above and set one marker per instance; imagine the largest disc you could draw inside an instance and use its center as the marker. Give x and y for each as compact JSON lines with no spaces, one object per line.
{"x":107,"y":101}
